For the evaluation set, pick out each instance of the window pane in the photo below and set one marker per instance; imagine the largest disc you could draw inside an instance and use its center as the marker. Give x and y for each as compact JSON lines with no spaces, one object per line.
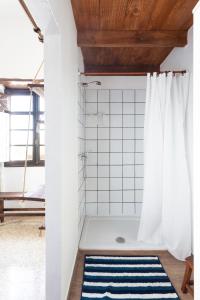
{"x":20,"y":137}
{"x":42,"y":152}
{"x":21,"y":122}
{"x":42,"y":104}
{"x":42,"y":137}
{"x":19,"y":153}
{"x":20,"y":103}
{"x":42,"y":120}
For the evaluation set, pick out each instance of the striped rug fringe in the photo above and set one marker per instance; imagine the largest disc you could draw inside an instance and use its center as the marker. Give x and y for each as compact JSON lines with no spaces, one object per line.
{"x":126,"y":277}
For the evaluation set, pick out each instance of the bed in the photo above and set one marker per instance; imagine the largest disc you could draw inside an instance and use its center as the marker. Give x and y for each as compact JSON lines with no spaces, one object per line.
{"x":21,"y":211}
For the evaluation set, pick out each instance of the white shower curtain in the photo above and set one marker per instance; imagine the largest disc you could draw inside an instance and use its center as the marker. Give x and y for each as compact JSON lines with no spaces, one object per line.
{"x":166,"y":211}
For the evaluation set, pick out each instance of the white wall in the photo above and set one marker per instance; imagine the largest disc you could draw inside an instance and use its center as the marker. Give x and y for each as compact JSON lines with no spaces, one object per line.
{"x":62,"y":149}
{"x":118,"y":82}
{"x":21,"y":52}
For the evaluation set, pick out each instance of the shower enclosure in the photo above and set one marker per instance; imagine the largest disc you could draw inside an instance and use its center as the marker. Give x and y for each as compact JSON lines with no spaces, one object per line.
{"x":112,"y":172}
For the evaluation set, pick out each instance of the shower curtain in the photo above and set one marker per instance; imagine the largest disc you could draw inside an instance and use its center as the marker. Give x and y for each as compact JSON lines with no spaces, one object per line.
{"x":166,"y":211}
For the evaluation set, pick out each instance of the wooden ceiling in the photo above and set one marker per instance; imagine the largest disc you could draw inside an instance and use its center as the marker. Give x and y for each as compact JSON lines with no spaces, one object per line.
{"x":130,"y":35}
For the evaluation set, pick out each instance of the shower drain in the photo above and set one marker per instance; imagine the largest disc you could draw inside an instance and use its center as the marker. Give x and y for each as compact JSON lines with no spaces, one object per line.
{"x":120,"y":240}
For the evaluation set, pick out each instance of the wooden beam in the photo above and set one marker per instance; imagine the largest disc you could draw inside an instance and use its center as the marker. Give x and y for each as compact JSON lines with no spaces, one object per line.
{"x":132,"y":38}
{"x":120,"y":70}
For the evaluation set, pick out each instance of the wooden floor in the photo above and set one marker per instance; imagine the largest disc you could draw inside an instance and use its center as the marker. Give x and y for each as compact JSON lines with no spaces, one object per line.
{"x":174,"y":268}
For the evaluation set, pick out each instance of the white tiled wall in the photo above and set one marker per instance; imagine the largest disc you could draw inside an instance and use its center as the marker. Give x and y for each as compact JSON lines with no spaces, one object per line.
{"x":114,"y":145}
{"x":81,"y":160}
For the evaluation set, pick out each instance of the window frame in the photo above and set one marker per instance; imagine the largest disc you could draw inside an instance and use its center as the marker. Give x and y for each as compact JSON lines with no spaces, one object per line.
{"x":36,"y":161}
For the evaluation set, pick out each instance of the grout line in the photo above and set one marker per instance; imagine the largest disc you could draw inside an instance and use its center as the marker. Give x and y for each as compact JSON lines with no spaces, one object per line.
{"x":109,"y":155}
{"x":97,"y":155}
{"x":122,"y":153}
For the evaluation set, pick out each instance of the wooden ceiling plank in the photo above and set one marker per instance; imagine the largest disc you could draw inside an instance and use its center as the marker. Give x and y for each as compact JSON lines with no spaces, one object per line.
{"x":179,"y":15}
{"x":138,"y":14}
{"x":124,"y":56}
{"x":112,"y":14}
{"x":86,"y":14}
{"x":139,"y":38}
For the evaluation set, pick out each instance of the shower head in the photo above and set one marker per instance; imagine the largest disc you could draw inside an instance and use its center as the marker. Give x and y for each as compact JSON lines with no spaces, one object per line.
{"x":86,"y":84}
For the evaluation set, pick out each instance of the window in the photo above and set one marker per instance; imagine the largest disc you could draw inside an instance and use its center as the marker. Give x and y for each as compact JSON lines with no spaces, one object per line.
{"x":20,"y":103}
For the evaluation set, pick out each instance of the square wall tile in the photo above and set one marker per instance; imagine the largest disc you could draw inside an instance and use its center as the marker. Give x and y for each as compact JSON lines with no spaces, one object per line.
{"x":116,"y":108}
{"x":91,"y":196}
{"x":91,"y":121}
{"x":103,"y":146}
{"x":91,"y":108}
{"x":128,"y":95}
{"x":128,"y":183}
{"x":128,"y":145}
{"x":91,"y":146}
{"x":91,"y":95}
{"x":139,"y":158}
{"x":139,"y":171}
{"x":139,"y":146}
{"x":103,"y":95}
{"x":115,"y":171}
{"x":128,"y":158}
{"x":116,"y":121}
{"x":91,"y":184}
{"x":103,"y":133}
{"x":139,"y":121}
{"x":115,"y":158}
{"x":103,"y":171}
{"x":103,"y":159}
{"x":115,"y":183}
{"x":103,"y":121}
{"x":128,"y":121}
{"x":116,"y":96}
{"x":91,"y":209}
{"x":128,"y":209}
{"x":103,"y":184}
{"x":115,"y":209}
{"x":103,"y":209}
{"x":116,"y":133}
{"x":140,"y":108}
{"x":116,"y":146}
{"x":138,"y":196}
{"x":128,"y":133}
{"x":139,"y":183}
{"x":91,"y":133}
{"x":128,"y":171}
{"x":91,"y":171}
{"x":138,"y":209}
{"x":140,"y":95}
{"x":103,"y":196}
{"x":128,"y":108}
{"x":128,"y":196}
{"x":92,"y":159}
{"x":116,"y":196}
{"x":103,"y":108}
{"x":139,"y":133}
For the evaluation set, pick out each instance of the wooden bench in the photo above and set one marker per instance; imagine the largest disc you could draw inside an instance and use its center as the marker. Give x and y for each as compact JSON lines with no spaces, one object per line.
{"x":187,"y":282}
{"x":19,"y":211}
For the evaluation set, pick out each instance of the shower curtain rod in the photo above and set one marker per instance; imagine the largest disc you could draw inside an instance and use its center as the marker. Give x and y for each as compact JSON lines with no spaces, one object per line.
{"x":128,"y":73}
{"x":29,"y":15}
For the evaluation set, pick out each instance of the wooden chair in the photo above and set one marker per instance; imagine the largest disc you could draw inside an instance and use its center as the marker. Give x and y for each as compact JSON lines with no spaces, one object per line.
{"x":187,"y":282}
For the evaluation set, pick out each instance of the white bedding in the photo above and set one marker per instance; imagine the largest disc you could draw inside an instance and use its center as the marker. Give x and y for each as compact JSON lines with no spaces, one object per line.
{"x":39,"y":192}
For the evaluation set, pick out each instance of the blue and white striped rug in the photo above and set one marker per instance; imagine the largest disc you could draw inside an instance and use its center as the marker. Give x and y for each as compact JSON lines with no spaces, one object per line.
{"x":126,"y":277}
